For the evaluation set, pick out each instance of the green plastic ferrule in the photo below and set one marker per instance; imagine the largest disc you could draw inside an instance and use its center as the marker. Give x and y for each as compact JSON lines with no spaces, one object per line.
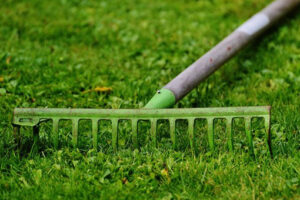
{"x":163,"y":98}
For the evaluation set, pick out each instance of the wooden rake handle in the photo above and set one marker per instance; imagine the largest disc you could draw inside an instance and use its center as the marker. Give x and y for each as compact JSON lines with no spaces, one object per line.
{"x":222,"y":52}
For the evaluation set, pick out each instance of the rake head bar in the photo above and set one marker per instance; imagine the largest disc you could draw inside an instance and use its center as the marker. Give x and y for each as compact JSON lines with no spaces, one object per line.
{"x":34,"y":116}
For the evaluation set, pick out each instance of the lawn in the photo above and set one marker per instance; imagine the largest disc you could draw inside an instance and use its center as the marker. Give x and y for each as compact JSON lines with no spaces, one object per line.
{"x":61,"y":53}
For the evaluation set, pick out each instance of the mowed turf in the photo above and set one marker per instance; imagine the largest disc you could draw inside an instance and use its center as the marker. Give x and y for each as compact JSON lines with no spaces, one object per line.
{"x":62,"y":53}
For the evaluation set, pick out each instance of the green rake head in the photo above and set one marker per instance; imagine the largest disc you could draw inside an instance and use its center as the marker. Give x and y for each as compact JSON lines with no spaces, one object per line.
{"x":35,"y":116}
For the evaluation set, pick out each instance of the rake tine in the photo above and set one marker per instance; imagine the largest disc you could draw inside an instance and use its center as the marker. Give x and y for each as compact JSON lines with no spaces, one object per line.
{"x":268,"y":135}
{"x":153,"y":132}
{"x":191,"y":132}
{"x":210,"y":130}
{"x":75,"y":132}
{"x":229,"y":133}
{"x":95,"y":133}
{"x":134,"y":124}
{"x":172,"y":132}
{"x":114,"y":124}
{"x":55,"y":132}
{"x":249,"y":135}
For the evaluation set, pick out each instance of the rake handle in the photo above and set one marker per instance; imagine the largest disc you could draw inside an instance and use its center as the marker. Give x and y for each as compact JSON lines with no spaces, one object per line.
{"x":187,"y":80}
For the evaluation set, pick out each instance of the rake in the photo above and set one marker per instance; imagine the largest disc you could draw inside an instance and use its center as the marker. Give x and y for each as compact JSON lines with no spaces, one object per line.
{"x":170,"y":94}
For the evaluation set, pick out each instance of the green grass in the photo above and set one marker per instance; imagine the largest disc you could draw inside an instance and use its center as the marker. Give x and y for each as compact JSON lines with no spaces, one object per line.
{"x":54,"y":53}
